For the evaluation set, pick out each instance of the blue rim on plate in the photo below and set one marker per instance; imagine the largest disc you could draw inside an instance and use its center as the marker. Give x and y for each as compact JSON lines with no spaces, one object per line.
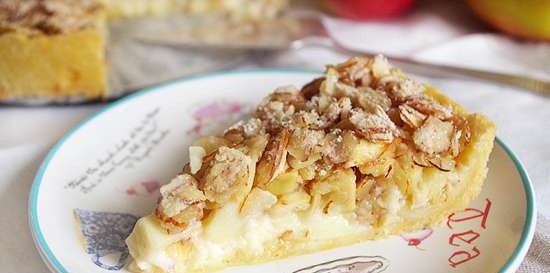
{"x":46,"y":252}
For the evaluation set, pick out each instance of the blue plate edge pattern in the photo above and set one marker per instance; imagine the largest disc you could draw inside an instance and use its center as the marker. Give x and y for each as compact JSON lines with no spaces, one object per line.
{"x":50,"y":259}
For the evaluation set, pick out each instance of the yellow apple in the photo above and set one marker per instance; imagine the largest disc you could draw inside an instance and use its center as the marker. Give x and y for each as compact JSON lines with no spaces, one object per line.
{"x":523,"y":18}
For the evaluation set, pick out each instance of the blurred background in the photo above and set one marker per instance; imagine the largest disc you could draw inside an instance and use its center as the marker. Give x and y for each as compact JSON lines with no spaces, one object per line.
{"x":154,"y":41}
{"x":495,"y":35}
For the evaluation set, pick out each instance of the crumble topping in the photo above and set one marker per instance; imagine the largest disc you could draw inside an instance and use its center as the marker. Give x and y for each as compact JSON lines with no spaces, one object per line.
{"x":224,"y":174}
{"x":375,"y":126}
{"x":181,"y":203}
{"x":349,"y":141}
{"x":247,"y":129}
{"x":48,"y":17}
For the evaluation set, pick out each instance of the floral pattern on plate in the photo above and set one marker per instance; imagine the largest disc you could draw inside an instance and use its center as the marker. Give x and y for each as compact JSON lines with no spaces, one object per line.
{"x":104,"y":234}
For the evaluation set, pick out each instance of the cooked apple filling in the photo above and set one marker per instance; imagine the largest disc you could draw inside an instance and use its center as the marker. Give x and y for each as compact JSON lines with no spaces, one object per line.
{"x":361,"y":153}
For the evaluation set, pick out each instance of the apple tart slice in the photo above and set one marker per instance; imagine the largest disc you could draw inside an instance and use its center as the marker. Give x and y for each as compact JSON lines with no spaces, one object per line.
{"x":359,"y":154}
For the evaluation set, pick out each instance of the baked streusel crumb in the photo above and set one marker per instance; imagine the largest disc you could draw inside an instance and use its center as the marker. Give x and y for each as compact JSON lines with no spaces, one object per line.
{"x":48,"y":17}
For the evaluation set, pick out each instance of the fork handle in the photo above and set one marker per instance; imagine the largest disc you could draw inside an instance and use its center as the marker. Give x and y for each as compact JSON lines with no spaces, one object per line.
{"x":537,"y":86}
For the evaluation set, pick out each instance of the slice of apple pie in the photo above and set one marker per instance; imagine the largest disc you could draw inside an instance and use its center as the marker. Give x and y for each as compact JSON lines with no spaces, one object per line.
{"x":361,"y":153}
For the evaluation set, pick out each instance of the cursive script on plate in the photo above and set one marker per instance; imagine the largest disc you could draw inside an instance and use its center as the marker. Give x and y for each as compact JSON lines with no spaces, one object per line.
{"x":465,"y":241}
{"x":135,"y":146}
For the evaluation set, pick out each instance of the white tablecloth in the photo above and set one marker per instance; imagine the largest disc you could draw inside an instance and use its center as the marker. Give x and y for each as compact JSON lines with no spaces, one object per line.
{"x":437,"y":31}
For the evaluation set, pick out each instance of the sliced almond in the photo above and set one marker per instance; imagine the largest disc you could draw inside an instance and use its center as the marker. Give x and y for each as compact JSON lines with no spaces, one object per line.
{"x":430,"y":107}
{"x":455,"y":143}
{"x":461,"y":124}
{"x":369,"y":98}
{"x":312,"y":88}
{"x":401,"y":88}
{"x":411,"y":116}
{"x":352,"y":70}
{"x":376,"y":127}
{"x":434,"y":136}
{"x":442,"y":163}
{"x":421,"y":160}
{"x":273,"y":158}
{"x":246,"y":129}
{"x":380,"y":66}
{"x":196,"y":153}
{"x":328,"y":86}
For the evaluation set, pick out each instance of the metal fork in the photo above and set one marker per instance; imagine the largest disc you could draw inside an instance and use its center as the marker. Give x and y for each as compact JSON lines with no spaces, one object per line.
{"x":308,"y":30}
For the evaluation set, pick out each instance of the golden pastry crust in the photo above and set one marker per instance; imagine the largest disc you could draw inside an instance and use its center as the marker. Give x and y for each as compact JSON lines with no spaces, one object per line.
{"x":52,"y":49}
{"x":365,"y":145}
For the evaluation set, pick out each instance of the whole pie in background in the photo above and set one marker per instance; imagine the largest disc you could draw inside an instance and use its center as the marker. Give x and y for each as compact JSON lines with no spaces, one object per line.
{"x":57,"y":48}
{"x":234,"y":9}
{"x":52,"y":49}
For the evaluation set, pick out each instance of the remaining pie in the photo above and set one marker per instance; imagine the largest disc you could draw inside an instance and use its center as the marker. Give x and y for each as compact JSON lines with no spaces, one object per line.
{"x":361,"y":153}
{"x":236,"y":9}
{"x":52,"y":49}
{"x":56,"y":48}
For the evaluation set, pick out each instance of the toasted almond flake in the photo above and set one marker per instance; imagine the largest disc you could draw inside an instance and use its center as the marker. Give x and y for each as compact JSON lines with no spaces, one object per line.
{"x":462,"y":125}
{"x":376,"y":127}
{"x":434,"y":136}
{"x":328,"y":86}
{"x":248,"y":128}
{"x":369,"y":99}
{"x":421,"y":160}
{"x":404,"y":88}
{"x":358,"y":72}
{"x":352,"y":70}
{"x":442,"y":163}
{"x":430,"y":107}
{"x":411,"y":116}
{"x":380,"y":66}
{"x":286,"y":93}
{"x":312,"y":88}
{"x":345,"y":90}
{"x":273,"y":159}
{"x":455,"y":143}
{"x":196,"y":153}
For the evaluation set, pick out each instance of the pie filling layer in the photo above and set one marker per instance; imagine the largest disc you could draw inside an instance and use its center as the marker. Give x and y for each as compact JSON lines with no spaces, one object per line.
{"x":361,"y":153}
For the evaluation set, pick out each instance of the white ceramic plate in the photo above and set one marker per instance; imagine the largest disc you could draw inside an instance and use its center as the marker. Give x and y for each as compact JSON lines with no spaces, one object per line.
{"x":101,"y":176}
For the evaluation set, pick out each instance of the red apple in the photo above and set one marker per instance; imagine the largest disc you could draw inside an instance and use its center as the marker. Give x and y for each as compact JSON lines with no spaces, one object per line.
{"x":368,"y":9}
